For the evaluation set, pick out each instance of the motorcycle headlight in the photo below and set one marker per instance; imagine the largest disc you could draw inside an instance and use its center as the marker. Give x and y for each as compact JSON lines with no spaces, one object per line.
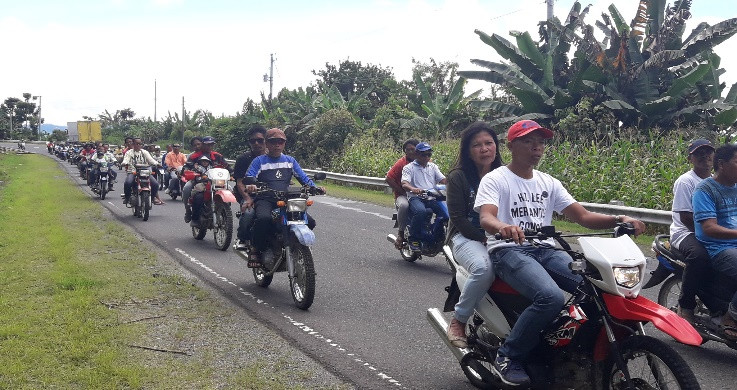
{"x":627,"y":276}
{"x":220,"y":183}
{"x":144,"y":172}
{"x":295,"y":205}
{"x":103,"y":169}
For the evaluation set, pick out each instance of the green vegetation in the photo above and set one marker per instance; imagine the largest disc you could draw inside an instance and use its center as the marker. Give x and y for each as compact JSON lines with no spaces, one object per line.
{"x":79,"y":297}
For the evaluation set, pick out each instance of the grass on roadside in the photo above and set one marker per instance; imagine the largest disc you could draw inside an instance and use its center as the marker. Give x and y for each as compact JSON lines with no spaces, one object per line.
{"x":78,"y":292}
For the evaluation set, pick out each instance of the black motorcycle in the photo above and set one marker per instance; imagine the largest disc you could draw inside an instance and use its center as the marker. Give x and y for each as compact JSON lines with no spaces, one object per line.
{"x":718,"y":291}
{"x":101,"y":184}
{"x":433,"y":231}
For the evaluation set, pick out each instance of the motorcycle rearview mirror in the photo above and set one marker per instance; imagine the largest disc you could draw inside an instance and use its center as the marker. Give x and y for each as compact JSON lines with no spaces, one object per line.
{"x":320,"y":176}
{"x":248,"y":180}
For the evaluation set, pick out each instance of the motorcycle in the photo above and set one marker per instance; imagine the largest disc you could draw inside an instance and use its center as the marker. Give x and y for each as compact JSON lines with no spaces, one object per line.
{"x":215,"y":213}
{"x":176,"y":189}
{"x":597,"y":340}
{"x":718,"y":291}
{"x":140,"y":199}
{"x":433,"y":233}
{"x":101,"y":183}
{"x":289,"y":249}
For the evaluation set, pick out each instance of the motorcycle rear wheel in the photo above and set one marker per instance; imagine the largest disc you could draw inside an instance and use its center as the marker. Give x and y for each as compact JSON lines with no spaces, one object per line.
{"x":651,"y":364}
{"x":223,"y":230}
{"x":145,"y":205}
{"x":302,"y":284}
{"x":477,"y":369}
{"x":669,"y":293}
{"x":406,"y":252}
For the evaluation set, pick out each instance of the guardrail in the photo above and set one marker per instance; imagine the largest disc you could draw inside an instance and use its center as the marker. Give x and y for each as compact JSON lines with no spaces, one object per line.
{"x":658,"y":217}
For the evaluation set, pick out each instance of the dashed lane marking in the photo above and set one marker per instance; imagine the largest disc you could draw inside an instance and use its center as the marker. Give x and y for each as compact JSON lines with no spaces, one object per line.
{"x":340,"y":206}
{"x":300,"y":325}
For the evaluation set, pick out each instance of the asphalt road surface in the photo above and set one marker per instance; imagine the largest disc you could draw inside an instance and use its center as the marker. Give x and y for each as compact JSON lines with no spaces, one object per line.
{"x":367,"y":323}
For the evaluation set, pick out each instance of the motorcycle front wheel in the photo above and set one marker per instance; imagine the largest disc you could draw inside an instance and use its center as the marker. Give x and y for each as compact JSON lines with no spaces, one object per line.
{"x":303,"y":282}
{"x":223,"y":230}
{"x":103,"y":190}
{"x":145,"y":205}
{"x":651,"y":365}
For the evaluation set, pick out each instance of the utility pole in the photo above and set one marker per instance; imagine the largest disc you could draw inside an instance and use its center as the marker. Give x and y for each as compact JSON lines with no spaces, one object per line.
{"x":39,"y":115}
{"x":154,"y":100}
{"x":182,"y":121}
{"x":550,"y":4}
{"x":270,"y":77}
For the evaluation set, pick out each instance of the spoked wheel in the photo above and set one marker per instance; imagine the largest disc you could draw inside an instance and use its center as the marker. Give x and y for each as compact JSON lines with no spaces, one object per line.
{"x":103,"y":190}
{"x":199,"y":232}
{"x":223,"y":230}
{"x":303,"y":282}
{"x":651,"y":365}
{"x":406,"y":252}
{"x":477,"y":369}
{"x":669,"y":293}
{"x":145,"y":205}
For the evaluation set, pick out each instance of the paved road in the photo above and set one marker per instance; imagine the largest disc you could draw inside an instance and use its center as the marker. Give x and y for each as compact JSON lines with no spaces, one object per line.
{"x":367,"y":323}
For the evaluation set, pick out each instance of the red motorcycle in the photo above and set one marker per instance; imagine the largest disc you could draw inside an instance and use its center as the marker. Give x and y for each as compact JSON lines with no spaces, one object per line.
{"x":216,"y":213}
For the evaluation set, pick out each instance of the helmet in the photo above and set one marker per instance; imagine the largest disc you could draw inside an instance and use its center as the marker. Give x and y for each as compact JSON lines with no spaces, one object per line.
{"x":204,"y":158}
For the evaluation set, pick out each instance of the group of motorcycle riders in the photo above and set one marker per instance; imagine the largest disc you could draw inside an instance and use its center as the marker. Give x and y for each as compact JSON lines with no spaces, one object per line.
{"x":485,"y":197}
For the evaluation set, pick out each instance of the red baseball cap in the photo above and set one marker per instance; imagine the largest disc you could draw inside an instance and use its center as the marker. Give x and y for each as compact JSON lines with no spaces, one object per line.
{"x":525,"y":127}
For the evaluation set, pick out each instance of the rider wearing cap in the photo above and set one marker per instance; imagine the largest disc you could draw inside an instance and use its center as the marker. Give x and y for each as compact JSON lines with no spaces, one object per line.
{"x":257,"y":142}
{"x":216,"y":160}
{"x":276,"y":170}
{"x":418,"y":176}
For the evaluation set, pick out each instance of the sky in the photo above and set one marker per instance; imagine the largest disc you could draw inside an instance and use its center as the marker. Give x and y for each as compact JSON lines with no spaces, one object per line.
{"x":87,"y":56}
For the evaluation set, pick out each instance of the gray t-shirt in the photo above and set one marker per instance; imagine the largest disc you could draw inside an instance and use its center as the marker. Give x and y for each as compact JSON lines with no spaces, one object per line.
{"x":421,"y":177}
{"x":683,"y":190}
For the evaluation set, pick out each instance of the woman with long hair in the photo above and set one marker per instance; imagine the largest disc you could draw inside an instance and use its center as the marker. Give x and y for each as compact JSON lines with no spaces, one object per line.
{"x":477,"y":156}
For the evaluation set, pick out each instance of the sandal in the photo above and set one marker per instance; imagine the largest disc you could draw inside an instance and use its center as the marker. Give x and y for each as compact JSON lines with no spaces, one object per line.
{"x":728,"y":328}
{"x":158,"y":202}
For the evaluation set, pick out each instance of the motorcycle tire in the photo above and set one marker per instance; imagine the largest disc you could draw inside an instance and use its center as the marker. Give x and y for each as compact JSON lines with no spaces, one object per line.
{"x":406,"y":253}
{"x":669,"y":292}
{"x":302,"y":285}
{"x":103,"y":191}
{"x":261,"y":278}
{"x":145,"y":205}
{"x":173,"y":196}
{"x":477,"y":369}
{"x":199,"y":232}
{"x":223,"y":231}
{"x":642,"y":355}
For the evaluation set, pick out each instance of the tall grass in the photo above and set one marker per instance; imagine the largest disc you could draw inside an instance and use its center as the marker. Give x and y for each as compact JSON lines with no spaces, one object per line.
{"x":630,"y":169}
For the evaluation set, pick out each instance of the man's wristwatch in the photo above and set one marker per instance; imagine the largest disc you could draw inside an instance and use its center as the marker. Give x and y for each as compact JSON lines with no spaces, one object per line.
{"x":617,"y":219}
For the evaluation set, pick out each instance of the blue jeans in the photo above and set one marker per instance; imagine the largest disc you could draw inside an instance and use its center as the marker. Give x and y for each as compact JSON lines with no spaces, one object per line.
{"x":244,"y":224}
{"x":535,"y":273}
{"x":472,"y":255}
{"x":725,"y":262}
{"x":421,"y":210}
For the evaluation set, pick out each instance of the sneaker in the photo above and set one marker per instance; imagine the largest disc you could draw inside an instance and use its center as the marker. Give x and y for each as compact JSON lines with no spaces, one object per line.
{"x":510,"y":371}
{"x":167,"y":191}
{"x":686,"y":314}
{"x":457,"y":334}
{"x":414,"y":246}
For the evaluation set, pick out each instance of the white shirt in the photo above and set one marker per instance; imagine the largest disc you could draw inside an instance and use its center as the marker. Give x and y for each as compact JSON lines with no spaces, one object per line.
{"x":683,"y":190}
{"x":141,"y":157}
{"x":421,"y":177}
{"x":527,"y":203}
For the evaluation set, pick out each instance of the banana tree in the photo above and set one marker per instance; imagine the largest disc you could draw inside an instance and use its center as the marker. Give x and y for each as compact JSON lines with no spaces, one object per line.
{"x":443,"y":109}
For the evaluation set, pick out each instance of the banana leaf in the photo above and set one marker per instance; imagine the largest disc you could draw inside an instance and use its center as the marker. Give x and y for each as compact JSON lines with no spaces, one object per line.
{"x":510,"y":52}
{"x":513,"y":76}
{"x":527,"y":46}
{"x":726,"y":117}
{"x":536,"y":116}
{"x":731,"y":95}
{"x":698,"y":29}
{"x":658,"y":106}
{"x":685,"y":83}
{"x":500,"y":107}
{"x":618,"y":105}
{"x":604,"y":90}
{"x":532,"y":102}
{"x":622,"y":28}
{"x":711,"y":36}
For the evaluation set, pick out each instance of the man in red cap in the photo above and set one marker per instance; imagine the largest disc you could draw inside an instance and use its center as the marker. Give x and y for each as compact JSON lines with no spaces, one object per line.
{"x":515,"y":197}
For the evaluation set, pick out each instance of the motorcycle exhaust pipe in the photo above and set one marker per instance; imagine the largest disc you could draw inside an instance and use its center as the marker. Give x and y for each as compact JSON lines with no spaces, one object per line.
{"x":436,"y":319}
{"x":391,"y":238}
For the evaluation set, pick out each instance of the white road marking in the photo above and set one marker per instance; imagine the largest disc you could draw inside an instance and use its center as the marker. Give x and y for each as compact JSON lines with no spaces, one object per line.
{"x":340,"y":206}
{"x":301,"y":325}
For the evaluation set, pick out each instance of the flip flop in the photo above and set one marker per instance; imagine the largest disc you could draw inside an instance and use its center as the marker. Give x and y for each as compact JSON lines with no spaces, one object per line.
{"x":729,"y":331}
{"x":158,"y":202}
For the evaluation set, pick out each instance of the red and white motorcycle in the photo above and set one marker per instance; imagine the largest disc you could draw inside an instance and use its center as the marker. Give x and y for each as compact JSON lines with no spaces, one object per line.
{"x":216,"y":213}
{"x":597,"y":341}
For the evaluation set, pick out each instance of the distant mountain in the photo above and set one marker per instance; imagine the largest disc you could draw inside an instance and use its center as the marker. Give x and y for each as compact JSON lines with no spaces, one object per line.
{"x":49,"y":128}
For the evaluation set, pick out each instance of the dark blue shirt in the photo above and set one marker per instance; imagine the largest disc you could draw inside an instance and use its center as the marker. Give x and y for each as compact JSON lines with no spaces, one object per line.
{"x":277,"y":172}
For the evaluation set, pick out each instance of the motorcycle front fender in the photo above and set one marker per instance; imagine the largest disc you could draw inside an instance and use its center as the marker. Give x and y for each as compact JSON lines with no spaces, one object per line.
{"x":226,"y":196}
{"x":643,"y":309}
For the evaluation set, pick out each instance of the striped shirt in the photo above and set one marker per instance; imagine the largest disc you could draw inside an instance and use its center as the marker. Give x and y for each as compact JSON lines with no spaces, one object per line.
{"x":277,"y":172}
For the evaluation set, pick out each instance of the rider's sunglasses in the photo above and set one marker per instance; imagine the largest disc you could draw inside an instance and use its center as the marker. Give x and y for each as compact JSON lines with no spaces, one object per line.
{"x":138,"y":143}
{"x":425,"y":154}
{"x":278,"y":141}
{"x":256,"y":140}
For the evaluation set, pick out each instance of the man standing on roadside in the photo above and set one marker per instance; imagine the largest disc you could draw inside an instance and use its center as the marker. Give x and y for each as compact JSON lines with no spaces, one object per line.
{"x":257,"y":142}
{"x":394,"y":179}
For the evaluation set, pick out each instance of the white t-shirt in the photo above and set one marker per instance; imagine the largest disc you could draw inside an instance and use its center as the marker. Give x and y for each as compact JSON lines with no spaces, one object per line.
{"x":683,"y":190}
{"x":527,"y":203}
{"x":421,"y":177}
